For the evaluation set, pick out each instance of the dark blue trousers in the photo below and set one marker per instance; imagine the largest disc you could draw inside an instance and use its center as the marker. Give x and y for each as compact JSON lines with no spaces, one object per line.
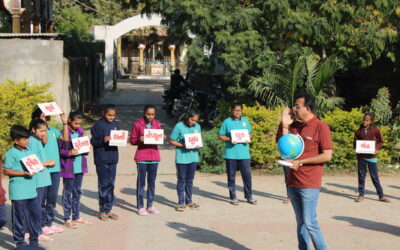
{"x":42,"y":193}
{"x":373,"y":172}
{"x":244,"y":167}
{"x":185,"y":174}
{"x":51,"y":198}
{"x":71,"y":196}
{"x":3,"y":215}
{"x":151,"y":171}
{"x":105,"y":183}
{"x":26,"y":212}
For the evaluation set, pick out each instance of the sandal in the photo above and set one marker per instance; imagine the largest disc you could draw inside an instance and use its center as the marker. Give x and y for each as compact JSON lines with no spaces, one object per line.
{"x":359,"y":199}
{"x":112,"y":216}
{"x":180,"y":208}
{"x":82,"y":222}
{"x":71,"y":225}
{"x":193,"y":206}
{"x":103,"y":217}
{"x":384,"y":199}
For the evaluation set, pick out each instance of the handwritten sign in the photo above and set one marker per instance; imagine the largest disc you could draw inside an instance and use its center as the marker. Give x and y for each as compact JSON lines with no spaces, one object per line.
{"x":153,"y":136}
{"x":365,"y":147}
{"x":50,"y":108}
{"x":118,"y":138}
{"x":81,"y":144}
{"x":32,"y":163}
{"x":193,"y":141}
{"x":240,"y":135}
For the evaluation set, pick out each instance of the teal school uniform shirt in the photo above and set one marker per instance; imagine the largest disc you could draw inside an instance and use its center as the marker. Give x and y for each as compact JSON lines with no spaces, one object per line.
{"x":238,"y":151}
{"x":43,"y":178}
{"x":148,"y":125}
{"x":183,"y":155}
{"x":51,"y":148}
{"x":20,"y":187}
{"x":78,"y":158}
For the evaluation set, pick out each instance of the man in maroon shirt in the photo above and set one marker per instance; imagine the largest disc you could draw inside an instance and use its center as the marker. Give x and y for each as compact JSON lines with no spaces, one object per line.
{"x":3,"y":214}
{"x":305,"y":176}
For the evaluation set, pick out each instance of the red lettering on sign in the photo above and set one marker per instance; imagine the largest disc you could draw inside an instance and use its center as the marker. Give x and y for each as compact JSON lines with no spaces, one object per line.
{"x":240,"y":136}
{"x":119,"y":136}
{"x":365,"y":145}
{"x":31,"y":162}
{"x":78,"y":144}
{"x":193,"y":139}
{"x":49,"y":108}
{"x":156,"y":136}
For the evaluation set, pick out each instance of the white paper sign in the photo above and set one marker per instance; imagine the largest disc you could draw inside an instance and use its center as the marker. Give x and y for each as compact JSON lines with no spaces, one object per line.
{"x":118,"y":138}
{"x":240,"y":135}
{"x":32,"y":163}
{"x":365,"y":147}
{"x":193,"y":141}
{"x":153,"y":136}
{"x":50,"y":108}
{"x":81,"y":144}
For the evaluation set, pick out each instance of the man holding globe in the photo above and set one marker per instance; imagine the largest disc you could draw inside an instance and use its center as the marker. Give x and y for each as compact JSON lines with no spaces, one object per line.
{"x":305,"y":174}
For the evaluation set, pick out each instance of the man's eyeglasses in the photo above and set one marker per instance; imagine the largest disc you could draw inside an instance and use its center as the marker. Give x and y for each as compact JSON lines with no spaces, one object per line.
{"x":297,"y":106}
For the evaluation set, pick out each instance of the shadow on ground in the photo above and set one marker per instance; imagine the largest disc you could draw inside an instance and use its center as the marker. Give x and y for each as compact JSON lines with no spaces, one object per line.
{"x":201,"y":235}
{"x":370,"y":225}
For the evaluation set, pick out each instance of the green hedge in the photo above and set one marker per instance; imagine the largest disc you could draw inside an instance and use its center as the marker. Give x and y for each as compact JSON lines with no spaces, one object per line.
{"x":17,"y":101}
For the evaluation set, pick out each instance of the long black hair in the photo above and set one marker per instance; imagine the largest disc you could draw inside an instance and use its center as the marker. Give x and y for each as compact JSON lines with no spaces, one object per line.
{"x":36,"y":124}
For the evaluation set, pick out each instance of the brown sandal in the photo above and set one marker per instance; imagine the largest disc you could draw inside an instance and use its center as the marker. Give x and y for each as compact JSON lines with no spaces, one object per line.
{"x":359,"y":199}
{"x":112,"y":216}
{"x":71,"y":225}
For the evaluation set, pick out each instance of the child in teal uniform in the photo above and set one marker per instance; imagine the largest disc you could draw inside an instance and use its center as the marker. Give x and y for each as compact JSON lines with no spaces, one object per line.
{"x":50,"y":144}
{"x":26,"y":210}
{"x":43,"y":181}
{"x":237,"y":155}
{"x":186,"y":159}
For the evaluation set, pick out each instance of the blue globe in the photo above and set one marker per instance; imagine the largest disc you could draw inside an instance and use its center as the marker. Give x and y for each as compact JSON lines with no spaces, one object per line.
{"x":290,"y":146}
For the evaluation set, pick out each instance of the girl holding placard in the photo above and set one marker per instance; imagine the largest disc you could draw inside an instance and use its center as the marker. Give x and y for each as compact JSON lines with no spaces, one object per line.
{"x":368,"y":132}
{"x":237,"y":153}
{"x":73,"y":166}
{"x":186,"y":157}
{"x":147,"y":157}
{"x":50,"y":145}
{"x":105,"y":159}
{"x":38,"y":130}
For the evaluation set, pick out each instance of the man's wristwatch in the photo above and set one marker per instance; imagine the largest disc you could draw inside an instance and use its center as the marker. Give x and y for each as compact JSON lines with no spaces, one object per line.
{"x":301,"y":164}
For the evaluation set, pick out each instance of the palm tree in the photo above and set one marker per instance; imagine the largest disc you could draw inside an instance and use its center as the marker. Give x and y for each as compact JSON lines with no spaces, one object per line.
{"x":279,"y":83}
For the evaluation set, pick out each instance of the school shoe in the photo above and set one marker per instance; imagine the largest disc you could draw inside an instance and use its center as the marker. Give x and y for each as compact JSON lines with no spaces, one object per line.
{"x":153,"y":210}
{"x":47,"y":231}
{"x":252,"y":201}
{"x":142,"y":211}
{"x":383,"y":199}
{"x":57,"y":229}
{"x":234,"y":202}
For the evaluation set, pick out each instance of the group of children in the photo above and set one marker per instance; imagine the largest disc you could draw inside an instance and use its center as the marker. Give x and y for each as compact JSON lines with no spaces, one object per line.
{"x":34,"y":195}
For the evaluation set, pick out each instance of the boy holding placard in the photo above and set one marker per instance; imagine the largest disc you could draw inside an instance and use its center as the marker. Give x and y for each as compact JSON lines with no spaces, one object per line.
{"x":73,"y":167}
{"x":26,"y":210}
{"x":235,"y":132}
{"x":106,"y":160}
{"x":363,"y":137}
{"x":147,"y":133}
{"x":186,"y":158}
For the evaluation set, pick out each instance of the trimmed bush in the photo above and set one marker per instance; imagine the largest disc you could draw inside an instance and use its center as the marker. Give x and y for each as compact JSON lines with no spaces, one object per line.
{"x":17,"y":101}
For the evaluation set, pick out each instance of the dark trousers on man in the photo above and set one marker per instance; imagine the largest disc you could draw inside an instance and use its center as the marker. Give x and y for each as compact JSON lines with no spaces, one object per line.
{"x":373,"y":172}
{"x":51,"y":198}
{"x":26,"y":215}
{"x":185,"y":174}
{"x":71,"y":196}
{"x":244,"y":166}
{"x":105,"y":182}
{"x":3,"y":215}
{"x":150,"y":170}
